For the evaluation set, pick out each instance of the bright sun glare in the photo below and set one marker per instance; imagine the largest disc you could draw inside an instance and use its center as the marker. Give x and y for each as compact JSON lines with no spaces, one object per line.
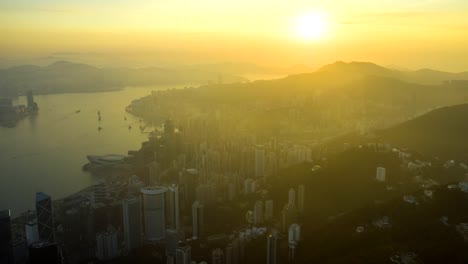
{"x":310,"y":26}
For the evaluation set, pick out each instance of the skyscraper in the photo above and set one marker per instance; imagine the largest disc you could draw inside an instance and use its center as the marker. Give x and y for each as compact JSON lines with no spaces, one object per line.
{"x":184,"y":255}
{"x":259,"y":161}
{"x":173,"y":208}
{"x":380,"y":174}
{"x":272,"y":248}
{"x":6,"y":245}
{"x":45,"y":217}
{"x":132,"y":222}
{"x":154,"y":212}
{"x":43,"y":252}
{"x":197,"y":219}
{"x":172,"y":242}
{"x":300,"y":198}
{"x":32,"y":233}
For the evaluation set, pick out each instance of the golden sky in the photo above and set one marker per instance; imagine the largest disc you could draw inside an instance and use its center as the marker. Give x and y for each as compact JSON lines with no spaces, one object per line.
{"x":405,"y":33}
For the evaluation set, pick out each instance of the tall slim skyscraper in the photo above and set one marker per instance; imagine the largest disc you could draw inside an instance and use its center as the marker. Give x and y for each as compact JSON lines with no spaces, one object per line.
{"x":173,"y":208}
{"x":154,"y":212}
{"x":32,"y":233}
{"x":197,"y":219}
{"x":272,"y":248}
{"x":259,"y":161}
{"x":172,"y":242}
{"x":132,"y":222}
{"x":184,"y":255}
{"x":6,"y":245}
{"x":45,"y":217}
{"x":300,"y":198}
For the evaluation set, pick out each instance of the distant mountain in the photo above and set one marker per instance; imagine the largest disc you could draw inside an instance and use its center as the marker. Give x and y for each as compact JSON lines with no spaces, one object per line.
{"x":441,"y":132}
{"x":423,"y":76}
{"x":69,"y":77}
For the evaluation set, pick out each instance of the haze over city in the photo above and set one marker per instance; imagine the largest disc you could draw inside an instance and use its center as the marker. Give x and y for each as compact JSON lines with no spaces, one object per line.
{"x":231,"y":132}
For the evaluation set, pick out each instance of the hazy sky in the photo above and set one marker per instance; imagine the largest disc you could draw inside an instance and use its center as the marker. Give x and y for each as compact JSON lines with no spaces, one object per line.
{"x":406,"y":33}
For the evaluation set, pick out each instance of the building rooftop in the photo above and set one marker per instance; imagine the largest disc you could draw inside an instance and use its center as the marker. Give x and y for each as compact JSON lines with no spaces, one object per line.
{"x":154,"y":190}
{"x":40,"y":196}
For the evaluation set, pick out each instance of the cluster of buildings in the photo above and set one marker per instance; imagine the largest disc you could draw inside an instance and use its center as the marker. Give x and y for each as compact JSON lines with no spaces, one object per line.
{"x":167,"y":204}
{"x":10,"y":113}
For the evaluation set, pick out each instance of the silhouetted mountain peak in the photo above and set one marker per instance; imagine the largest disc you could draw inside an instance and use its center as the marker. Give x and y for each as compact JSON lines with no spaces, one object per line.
{"x":365,"y":68}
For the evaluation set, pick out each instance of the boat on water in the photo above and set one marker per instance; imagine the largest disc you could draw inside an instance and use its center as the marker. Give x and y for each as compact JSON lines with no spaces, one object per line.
{"x":77,"y":111}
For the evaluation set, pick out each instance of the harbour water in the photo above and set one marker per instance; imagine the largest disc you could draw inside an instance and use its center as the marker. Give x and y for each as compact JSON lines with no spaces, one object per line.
{"x":46,"y":152}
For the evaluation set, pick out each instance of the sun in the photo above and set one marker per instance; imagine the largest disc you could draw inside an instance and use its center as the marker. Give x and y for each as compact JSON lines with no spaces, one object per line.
{"x":310,"y":26}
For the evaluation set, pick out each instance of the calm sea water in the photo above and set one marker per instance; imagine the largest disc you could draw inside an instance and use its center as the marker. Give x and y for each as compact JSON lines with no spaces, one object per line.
{"x":46,"y":152}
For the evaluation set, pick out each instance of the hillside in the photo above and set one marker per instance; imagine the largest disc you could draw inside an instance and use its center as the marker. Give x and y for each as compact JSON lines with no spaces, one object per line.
{"x":68,"y":77}
{"x":441,"y":132}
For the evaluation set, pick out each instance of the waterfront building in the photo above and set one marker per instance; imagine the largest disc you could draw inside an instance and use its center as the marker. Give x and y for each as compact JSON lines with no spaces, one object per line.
{"x":6,"y":240}
{"x":154,"y":212}
{"x":132,"y":222}
{"x":45,"y":217}
{"x":32,"y":233}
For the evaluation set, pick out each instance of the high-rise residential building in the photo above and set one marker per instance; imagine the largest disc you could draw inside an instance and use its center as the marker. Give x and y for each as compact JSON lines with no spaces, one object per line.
{"x":258,"y":213}
{"x":184,"y":255}
{"x":154,"y":212}
{"x":259,"y":161}
{"x":292,"y":197}
{"x":217,"y":256}
{"x":272,"y":248}
{"x":197,"y":219}
{"x":32,"y":233}
{"x":107,"y":245}
{"x":300,"y":198}
{"x":173,"y":208}
{"x":380,"y":174}
{"x":6,"y":240}
{"x":268,"y":210}
{"x":249,"y":186}
{"x":132,"y":222}
{"x":172,"y":242}
{"x":45,"y":217}
{"x":294,"y":236}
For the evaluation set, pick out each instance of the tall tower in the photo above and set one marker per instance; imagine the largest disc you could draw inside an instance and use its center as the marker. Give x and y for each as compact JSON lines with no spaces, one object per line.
{"x":173,"y":208}
{"x":272,"y":248}
{"x":197,"y":219}
{"x":292,"y":197}
{"x":132,"y":222}
{"x":154,"y":211}
{"x":45,"y":217}
{"x":184,"y":255}
{"x":300,"y":198}
{"x":6,"y":244}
